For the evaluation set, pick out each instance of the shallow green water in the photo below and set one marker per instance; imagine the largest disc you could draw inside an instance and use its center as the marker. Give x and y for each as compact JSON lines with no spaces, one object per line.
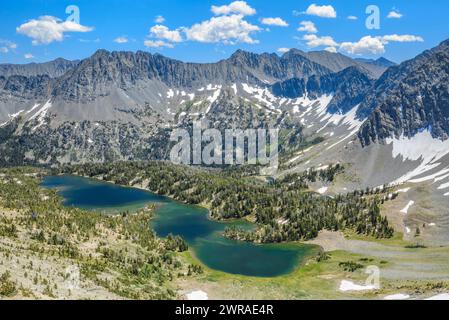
{"x":203,"y":235}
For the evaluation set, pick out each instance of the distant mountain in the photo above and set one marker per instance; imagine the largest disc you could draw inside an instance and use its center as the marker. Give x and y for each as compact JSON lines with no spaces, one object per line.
{"x":338,"y":62}
{"x":410,"y":97}
{"x":53,"y":69}
{"x":381,"y":62}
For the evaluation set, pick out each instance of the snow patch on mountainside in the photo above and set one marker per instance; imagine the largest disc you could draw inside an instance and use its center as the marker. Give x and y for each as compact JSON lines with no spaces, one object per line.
{"x":213,"y":98}
{"x":346,"y":285}
{"x":407,"y":207}
{"x":421,"y":147}
{"x":40,"y":115}
{"x":197,"y":295}
{"x":11,"y":117}
{"x":322,"y":190}
{"x":349,"y":119}
{"x":397,"y":296}
{"x":263,"y":95}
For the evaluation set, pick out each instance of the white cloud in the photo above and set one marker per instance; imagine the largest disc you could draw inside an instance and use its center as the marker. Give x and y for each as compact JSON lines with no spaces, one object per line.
{"x":368,"y":44}
{"x":331,"y":49}
{"x":321,"y":11}
{"x":226,"y":29}
{"x":162,"y":32}
{"x":274,"y":22}
{"x":121,"y":40}
{"x":376,"y":45}
{"x":308,"y":26}
{"x":28,"y":56}
{"x":352,"y":18}
{"x":283,"y":50}
{"x":6,"y":46}
{"x":394,"y":15}
{"x":402,"y":38}
{"x":159,"y":19}
{"x":47,"y":29}
{"x":157,"y":44}
{"x":314,"y":41}
{"x":239,"y":7}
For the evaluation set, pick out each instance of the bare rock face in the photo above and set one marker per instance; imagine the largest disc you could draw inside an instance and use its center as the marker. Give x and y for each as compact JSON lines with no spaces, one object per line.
{"x":408,"y":98}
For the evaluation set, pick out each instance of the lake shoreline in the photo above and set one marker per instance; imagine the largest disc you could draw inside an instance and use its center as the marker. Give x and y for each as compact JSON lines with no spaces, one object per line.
{"x":295,"y":254}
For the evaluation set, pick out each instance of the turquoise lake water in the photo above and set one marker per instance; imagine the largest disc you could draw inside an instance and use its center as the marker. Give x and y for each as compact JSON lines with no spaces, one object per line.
{"x":203,"y":235}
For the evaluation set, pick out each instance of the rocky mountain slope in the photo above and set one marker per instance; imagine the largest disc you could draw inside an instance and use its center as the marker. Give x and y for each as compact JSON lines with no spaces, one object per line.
{"x":348,"y":88}
{"x":53,"y":69}
{"x":410,"y":98}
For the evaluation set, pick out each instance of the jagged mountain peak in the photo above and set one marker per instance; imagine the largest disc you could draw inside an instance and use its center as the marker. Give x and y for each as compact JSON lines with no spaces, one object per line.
{"x":292,"y":51}
{"x":385,"y":62}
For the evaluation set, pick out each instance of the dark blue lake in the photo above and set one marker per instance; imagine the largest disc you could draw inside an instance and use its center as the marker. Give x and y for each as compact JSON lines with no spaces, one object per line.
{"x":203,"y":235}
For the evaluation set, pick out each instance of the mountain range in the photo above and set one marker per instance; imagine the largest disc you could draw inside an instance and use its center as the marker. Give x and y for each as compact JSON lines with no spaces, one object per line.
{"x":123,"y":105}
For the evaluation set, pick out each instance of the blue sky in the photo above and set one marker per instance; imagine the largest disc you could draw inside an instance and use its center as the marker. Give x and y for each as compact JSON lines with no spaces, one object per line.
{"x":206,"y":31}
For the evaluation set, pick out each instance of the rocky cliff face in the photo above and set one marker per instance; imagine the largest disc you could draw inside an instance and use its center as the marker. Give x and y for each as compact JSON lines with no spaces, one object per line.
{"x":409,"y":98}
{"x":33,"y":87}
{"x":348,"y":88}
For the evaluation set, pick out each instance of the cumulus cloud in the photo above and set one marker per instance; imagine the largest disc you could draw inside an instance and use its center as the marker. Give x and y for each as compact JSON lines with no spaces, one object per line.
{"x":308,"y":26}
{"x":157,"y":44}
{"x":321,"y":11}
{"x":236,"y":7}
{"x":314,"y":41}
{"x":47,"y":29}
{"x":228,"y":27}
{"x":368,"y":44}
{"x":225,"y":29}
{"x":394,"y":15}
{"x":283,"y":50}
{"x":28,"y":56}
{"x":121,"y":40}
{"x":274,"y":22}
{"x":162,"y":32}
{"x":159,"y":19}
{"x":376,"y":45}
